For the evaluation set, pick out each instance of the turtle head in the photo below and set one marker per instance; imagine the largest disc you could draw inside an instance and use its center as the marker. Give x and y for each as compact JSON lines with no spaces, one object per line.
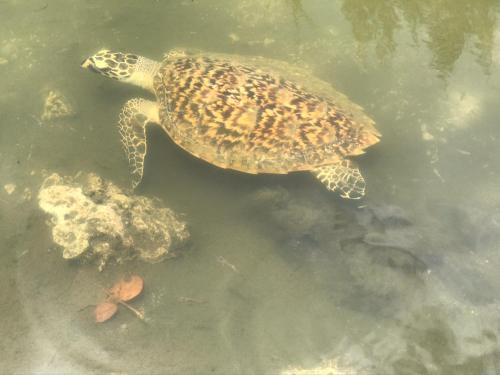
{"x":116,"y":65}
{"x":125,"y":67}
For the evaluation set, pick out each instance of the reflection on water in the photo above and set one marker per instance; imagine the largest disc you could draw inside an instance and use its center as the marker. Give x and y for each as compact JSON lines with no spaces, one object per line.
{"x":251,"y":13}
{"x":447,"y":27}
{"x":280,"y":275}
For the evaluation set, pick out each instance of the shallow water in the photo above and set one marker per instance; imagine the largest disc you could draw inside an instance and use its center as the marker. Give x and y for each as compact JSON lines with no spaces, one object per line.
{"x":404,"y":282}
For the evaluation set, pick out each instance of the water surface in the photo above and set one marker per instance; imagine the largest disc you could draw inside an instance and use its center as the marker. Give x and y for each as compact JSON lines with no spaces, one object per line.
{"x":404,"y":282}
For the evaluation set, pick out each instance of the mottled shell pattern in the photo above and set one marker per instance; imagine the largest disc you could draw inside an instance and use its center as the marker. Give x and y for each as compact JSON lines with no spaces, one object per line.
{"x":247,"y":115}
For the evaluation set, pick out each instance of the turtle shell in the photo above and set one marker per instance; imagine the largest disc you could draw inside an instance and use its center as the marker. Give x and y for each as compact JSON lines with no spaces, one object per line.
{"x":257,"y":115}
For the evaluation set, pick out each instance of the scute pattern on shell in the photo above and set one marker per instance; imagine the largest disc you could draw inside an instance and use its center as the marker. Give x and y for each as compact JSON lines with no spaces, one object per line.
{"x":240,"y":117}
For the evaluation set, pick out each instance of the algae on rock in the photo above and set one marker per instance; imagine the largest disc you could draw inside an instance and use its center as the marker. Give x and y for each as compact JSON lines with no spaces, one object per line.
{"x":93,"y":219}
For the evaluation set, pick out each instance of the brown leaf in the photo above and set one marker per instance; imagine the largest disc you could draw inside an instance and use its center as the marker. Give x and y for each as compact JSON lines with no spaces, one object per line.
{"x":126,"y":289}
{"x":105,"y":311}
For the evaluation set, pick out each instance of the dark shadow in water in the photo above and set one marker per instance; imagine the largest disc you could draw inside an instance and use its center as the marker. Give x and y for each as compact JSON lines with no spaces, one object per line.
{"x":446,"y":26}
{"x":296,"y":9}
{"x":299,"y":12}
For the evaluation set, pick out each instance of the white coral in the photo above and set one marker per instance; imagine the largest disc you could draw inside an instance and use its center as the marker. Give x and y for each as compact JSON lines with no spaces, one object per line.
{"x":98,"y":220}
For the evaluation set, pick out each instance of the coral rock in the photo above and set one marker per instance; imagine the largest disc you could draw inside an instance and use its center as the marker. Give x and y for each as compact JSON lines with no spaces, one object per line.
{"x":95,"y":220}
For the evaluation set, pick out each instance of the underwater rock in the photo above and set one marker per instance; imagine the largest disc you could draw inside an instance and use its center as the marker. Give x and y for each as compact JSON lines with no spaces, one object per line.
{"x":56,"y":106}
{"x":326,"y":367}
{"x":388,"y":226}
{"x":400,"y":238}
{"x":93,"y":219}
{"x":388,"y":215}
{"x":292,"y":216}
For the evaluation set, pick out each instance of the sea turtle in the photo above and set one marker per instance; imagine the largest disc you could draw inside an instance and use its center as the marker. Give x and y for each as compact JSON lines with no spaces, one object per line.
{"x":249,"y":114}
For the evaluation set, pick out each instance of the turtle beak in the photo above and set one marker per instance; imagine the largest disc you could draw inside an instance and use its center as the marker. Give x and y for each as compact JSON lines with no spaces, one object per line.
{"x":85,"y":63}
{"x":89,"y":64}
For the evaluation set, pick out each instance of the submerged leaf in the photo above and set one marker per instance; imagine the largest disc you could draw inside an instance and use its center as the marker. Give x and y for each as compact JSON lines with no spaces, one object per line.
{"x":105,"y":311}
{"x":124,"y":290}
{"x":127,"y":289}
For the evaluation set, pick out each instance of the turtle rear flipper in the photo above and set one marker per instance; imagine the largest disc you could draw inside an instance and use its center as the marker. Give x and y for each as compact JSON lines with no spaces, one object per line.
{"x":343,"y":177}
{"x":136,"y":114}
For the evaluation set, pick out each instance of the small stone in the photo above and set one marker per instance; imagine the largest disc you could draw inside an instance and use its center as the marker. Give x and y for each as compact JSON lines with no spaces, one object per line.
{"x":9,"y":188}
{"x":234,"y":37}
{"x":27,"y":194}
{"x":426,"y":136}
{"x":268,"y":41}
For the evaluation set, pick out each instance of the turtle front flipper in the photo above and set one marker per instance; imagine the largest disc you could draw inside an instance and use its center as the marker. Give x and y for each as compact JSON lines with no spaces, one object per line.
{"x":343,"y":177}
{"x":134,"y":117}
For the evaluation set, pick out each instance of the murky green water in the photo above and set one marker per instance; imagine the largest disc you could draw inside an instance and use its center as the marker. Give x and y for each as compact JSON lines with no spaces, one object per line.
{"x":404,"y":282}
